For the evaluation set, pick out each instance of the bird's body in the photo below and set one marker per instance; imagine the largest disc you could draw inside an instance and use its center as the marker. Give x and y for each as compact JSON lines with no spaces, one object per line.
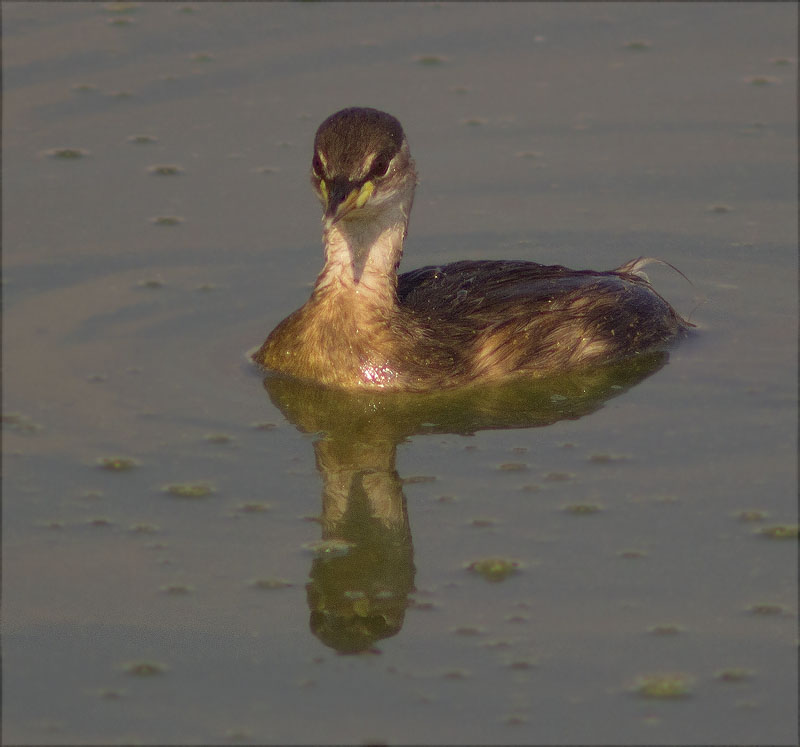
{"x":439,"y":327}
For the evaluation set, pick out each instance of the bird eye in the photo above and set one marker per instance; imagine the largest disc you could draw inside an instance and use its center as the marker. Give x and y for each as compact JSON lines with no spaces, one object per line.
{"x":380,"y":166}
{"x":316,"y":166}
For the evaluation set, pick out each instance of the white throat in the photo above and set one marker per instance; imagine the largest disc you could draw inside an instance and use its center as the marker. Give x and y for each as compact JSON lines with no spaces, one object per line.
{"x":362,"y":254}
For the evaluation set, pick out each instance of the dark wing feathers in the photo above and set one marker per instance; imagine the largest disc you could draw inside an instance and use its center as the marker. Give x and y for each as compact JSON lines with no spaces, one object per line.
{"x":544,"y":314}
{"x":484,"y":286}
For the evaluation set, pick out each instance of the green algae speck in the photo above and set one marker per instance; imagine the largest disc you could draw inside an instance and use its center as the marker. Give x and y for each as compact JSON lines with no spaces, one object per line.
{"x":638,"y":45}
{"x":734,"y":674}
{"x":67,"y":154}
{"x":166,"y":220}
{"x":781,"y":532}
{"x":582,"y":509}
{"x":189,"y":489}
{"x":142,"y":139}
{"x":144,"y":668}
{"x":165,"y":170}
{"x":494,"y":569}
{"x":269,"y":584}
{"x":430,"y":60}
{"x":117,"y":464}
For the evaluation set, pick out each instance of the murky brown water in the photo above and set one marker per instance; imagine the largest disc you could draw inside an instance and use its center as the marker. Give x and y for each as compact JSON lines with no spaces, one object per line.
{"x":197,"y":587}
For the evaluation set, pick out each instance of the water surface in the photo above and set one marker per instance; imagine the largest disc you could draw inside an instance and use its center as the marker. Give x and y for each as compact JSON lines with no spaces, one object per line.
{"x":199,"y":584}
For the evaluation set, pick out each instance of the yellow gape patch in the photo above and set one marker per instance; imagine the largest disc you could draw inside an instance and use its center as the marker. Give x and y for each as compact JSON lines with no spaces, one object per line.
{"x":365,"y":193}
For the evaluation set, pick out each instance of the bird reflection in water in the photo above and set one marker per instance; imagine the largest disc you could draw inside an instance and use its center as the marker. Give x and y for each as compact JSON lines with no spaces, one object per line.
{"x":362,"y":575}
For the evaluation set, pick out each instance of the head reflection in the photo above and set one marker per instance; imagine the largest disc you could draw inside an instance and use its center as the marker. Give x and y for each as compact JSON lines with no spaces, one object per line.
{"x":362,"y":574}
{"x":363,"y":571}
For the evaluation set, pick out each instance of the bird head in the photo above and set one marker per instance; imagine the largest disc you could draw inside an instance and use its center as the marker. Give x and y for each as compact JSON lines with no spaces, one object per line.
{"x":361,"y":166}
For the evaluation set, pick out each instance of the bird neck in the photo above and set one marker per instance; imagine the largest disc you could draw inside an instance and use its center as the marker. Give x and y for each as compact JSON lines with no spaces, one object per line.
{"x":361,"y":257}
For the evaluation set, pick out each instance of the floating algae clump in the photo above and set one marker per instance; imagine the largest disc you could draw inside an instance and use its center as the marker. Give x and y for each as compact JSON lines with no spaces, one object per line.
{"x":664,"y":686}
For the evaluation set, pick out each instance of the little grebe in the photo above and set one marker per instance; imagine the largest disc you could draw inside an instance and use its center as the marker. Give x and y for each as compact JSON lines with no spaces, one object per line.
{"x":462,"y":323}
